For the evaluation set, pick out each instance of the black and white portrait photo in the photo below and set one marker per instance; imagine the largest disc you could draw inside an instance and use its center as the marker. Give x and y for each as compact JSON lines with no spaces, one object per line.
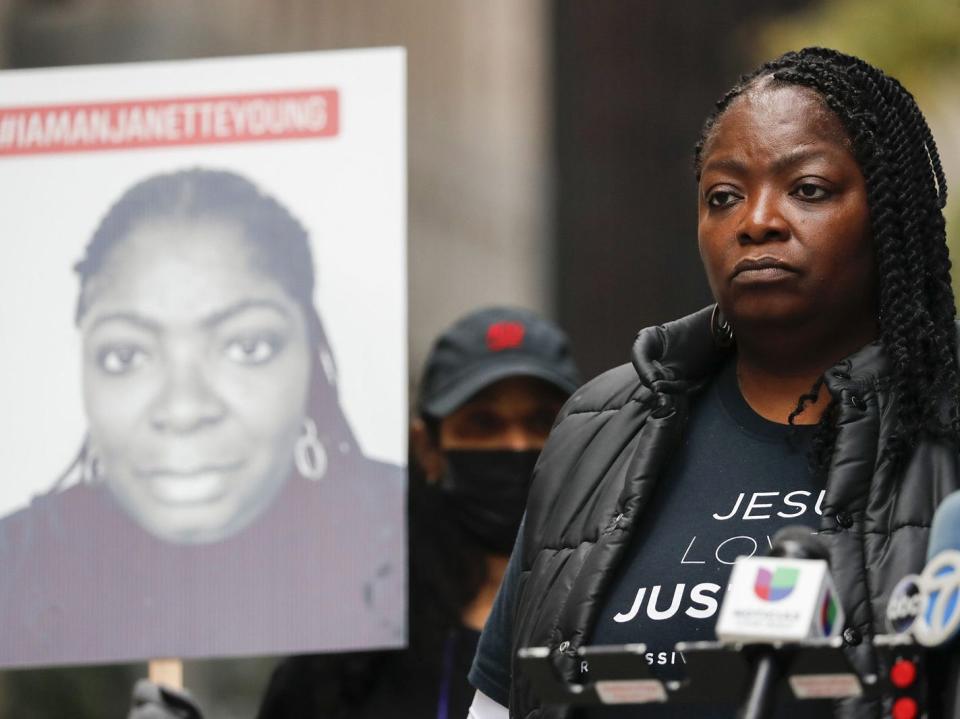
{"x":211,"y":348}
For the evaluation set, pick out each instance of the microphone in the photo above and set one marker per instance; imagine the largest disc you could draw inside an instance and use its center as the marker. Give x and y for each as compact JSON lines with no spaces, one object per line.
{"x":788,"y":596}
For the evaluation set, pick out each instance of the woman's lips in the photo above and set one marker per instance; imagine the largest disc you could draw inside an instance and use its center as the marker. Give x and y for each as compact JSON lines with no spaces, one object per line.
{"x":188,"y":487}
{"x":762,"y":269}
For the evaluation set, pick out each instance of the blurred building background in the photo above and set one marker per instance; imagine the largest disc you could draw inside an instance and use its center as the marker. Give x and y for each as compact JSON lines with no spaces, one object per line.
{"x":549,"y":150}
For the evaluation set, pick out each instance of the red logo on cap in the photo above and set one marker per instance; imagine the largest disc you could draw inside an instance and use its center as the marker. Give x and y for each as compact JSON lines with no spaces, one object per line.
{"x":504,"y":336}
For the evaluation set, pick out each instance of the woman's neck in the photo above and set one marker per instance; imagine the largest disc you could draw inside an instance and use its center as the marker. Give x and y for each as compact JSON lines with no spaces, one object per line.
{"x":774,"y":372}
{"x":774,"y":395}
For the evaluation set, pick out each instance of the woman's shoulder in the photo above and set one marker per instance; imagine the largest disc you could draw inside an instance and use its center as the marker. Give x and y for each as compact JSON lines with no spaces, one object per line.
{"x":669,"y":358}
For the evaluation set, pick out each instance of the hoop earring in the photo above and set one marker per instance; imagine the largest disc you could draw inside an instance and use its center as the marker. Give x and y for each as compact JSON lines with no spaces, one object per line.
{"x":720,"y":329}
{"x":309,"y":454}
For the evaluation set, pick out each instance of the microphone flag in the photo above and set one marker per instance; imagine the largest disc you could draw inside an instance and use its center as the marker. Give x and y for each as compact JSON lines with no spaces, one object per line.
{"x":774,"y":599}
{"x":938,"y":621}
{"x":927,"y":605}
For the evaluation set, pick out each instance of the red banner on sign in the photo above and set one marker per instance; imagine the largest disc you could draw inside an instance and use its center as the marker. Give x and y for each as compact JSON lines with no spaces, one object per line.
{"x":158,"y":123}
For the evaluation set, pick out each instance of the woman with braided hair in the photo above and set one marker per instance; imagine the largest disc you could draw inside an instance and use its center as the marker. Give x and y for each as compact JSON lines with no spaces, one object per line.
{"x":821,"y":389}
{"x":898,"y":156}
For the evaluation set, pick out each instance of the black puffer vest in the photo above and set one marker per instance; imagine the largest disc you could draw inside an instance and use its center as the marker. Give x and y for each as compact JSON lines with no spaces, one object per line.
{"x":611,"y":443}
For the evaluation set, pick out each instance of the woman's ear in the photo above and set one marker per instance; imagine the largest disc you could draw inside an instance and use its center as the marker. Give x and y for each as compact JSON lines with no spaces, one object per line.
{"x":425,"y":451}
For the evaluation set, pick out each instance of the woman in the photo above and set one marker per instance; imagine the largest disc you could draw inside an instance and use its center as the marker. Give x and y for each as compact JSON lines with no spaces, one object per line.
{"x":822,"y":236}
{"x":204,"y":359}
{"x":214,"y":425}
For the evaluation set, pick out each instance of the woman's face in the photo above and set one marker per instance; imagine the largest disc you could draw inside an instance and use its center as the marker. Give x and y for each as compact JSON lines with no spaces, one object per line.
{"x":195,"y":372}
{"x":784,"y":227}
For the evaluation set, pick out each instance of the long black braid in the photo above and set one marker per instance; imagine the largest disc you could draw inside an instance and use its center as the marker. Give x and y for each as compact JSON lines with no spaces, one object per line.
{"x":906,"y":193}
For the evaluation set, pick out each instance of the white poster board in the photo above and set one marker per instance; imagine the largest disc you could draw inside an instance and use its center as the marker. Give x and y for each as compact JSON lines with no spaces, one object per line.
{"x":203,"y":421}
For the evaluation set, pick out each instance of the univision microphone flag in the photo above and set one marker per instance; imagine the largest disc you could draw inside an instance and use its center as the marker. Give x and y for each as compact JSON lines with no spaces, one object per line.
{"x":779,"y":600}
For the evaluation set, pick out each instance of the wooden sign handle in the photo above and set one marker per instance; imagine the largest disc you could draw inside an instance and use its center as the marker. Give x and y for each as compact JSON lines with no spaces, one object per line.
{"x":168,"y":672}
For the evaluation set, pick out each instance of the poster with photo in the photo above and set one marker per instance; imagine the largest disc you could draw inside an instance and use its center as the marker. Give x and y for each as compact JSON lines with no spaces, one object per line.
{"x":203,"y":312}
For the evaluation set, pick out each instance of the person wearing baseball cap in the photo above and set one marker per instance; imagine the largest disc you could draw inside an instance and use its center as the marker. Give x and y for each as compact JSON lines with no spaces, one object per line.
{"x":491,"y":387}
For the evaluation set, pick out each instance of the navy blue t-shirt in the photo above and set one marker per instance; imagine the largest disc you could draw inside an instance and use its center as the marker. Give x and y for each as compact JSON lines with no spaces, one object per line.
{"x":737,"y":480}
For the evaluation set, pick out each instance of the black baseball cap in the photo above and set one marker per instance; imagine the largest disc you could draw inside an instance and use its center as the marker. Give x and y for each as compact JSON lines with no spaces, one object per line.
{"x":489,"y":345}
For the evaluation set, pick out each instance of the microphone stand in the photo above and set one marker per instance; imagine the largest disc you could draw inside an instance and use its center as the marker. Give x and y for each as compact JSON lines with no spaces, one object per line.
{"x":762,"y":696}
{"x":791,"y":542}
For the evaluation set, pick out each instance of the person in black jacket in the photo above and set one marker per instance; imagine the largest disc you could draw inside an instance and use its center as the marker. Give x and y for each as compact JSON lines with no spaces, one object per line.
{"x":821,"y":389}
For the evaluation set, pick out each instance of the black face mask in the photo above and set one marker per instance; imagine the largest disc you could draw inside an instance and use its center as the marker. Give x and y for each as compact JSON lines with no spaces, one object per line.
{"x":487,"y":492}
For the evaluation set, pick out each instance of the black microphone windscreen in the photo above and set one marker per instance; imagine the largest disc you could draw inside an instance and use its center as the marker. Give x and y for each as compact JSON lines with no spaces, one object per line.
{"x":798,"y":542}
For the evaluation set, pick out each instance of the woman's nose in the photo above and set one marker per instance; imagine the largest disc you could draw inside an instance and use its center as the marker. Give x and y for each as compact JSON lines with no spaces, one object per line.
{"x":762,"y":220}
{"x":187,"y":401}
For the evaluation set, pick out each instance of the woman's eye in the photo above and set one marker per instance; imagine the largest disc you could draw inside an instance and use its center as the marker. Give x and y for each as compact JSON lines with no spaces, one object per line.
{"x":720,"y":198}
{"x":121,"y":359}
{"x":809,"y":191}
{"x":252,"y":350}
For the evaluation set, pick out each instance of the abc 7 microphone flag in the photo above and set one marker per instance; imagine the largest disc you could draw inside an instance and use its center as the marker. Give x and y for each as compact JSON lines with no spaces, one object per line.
{"x":927,"y":605}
